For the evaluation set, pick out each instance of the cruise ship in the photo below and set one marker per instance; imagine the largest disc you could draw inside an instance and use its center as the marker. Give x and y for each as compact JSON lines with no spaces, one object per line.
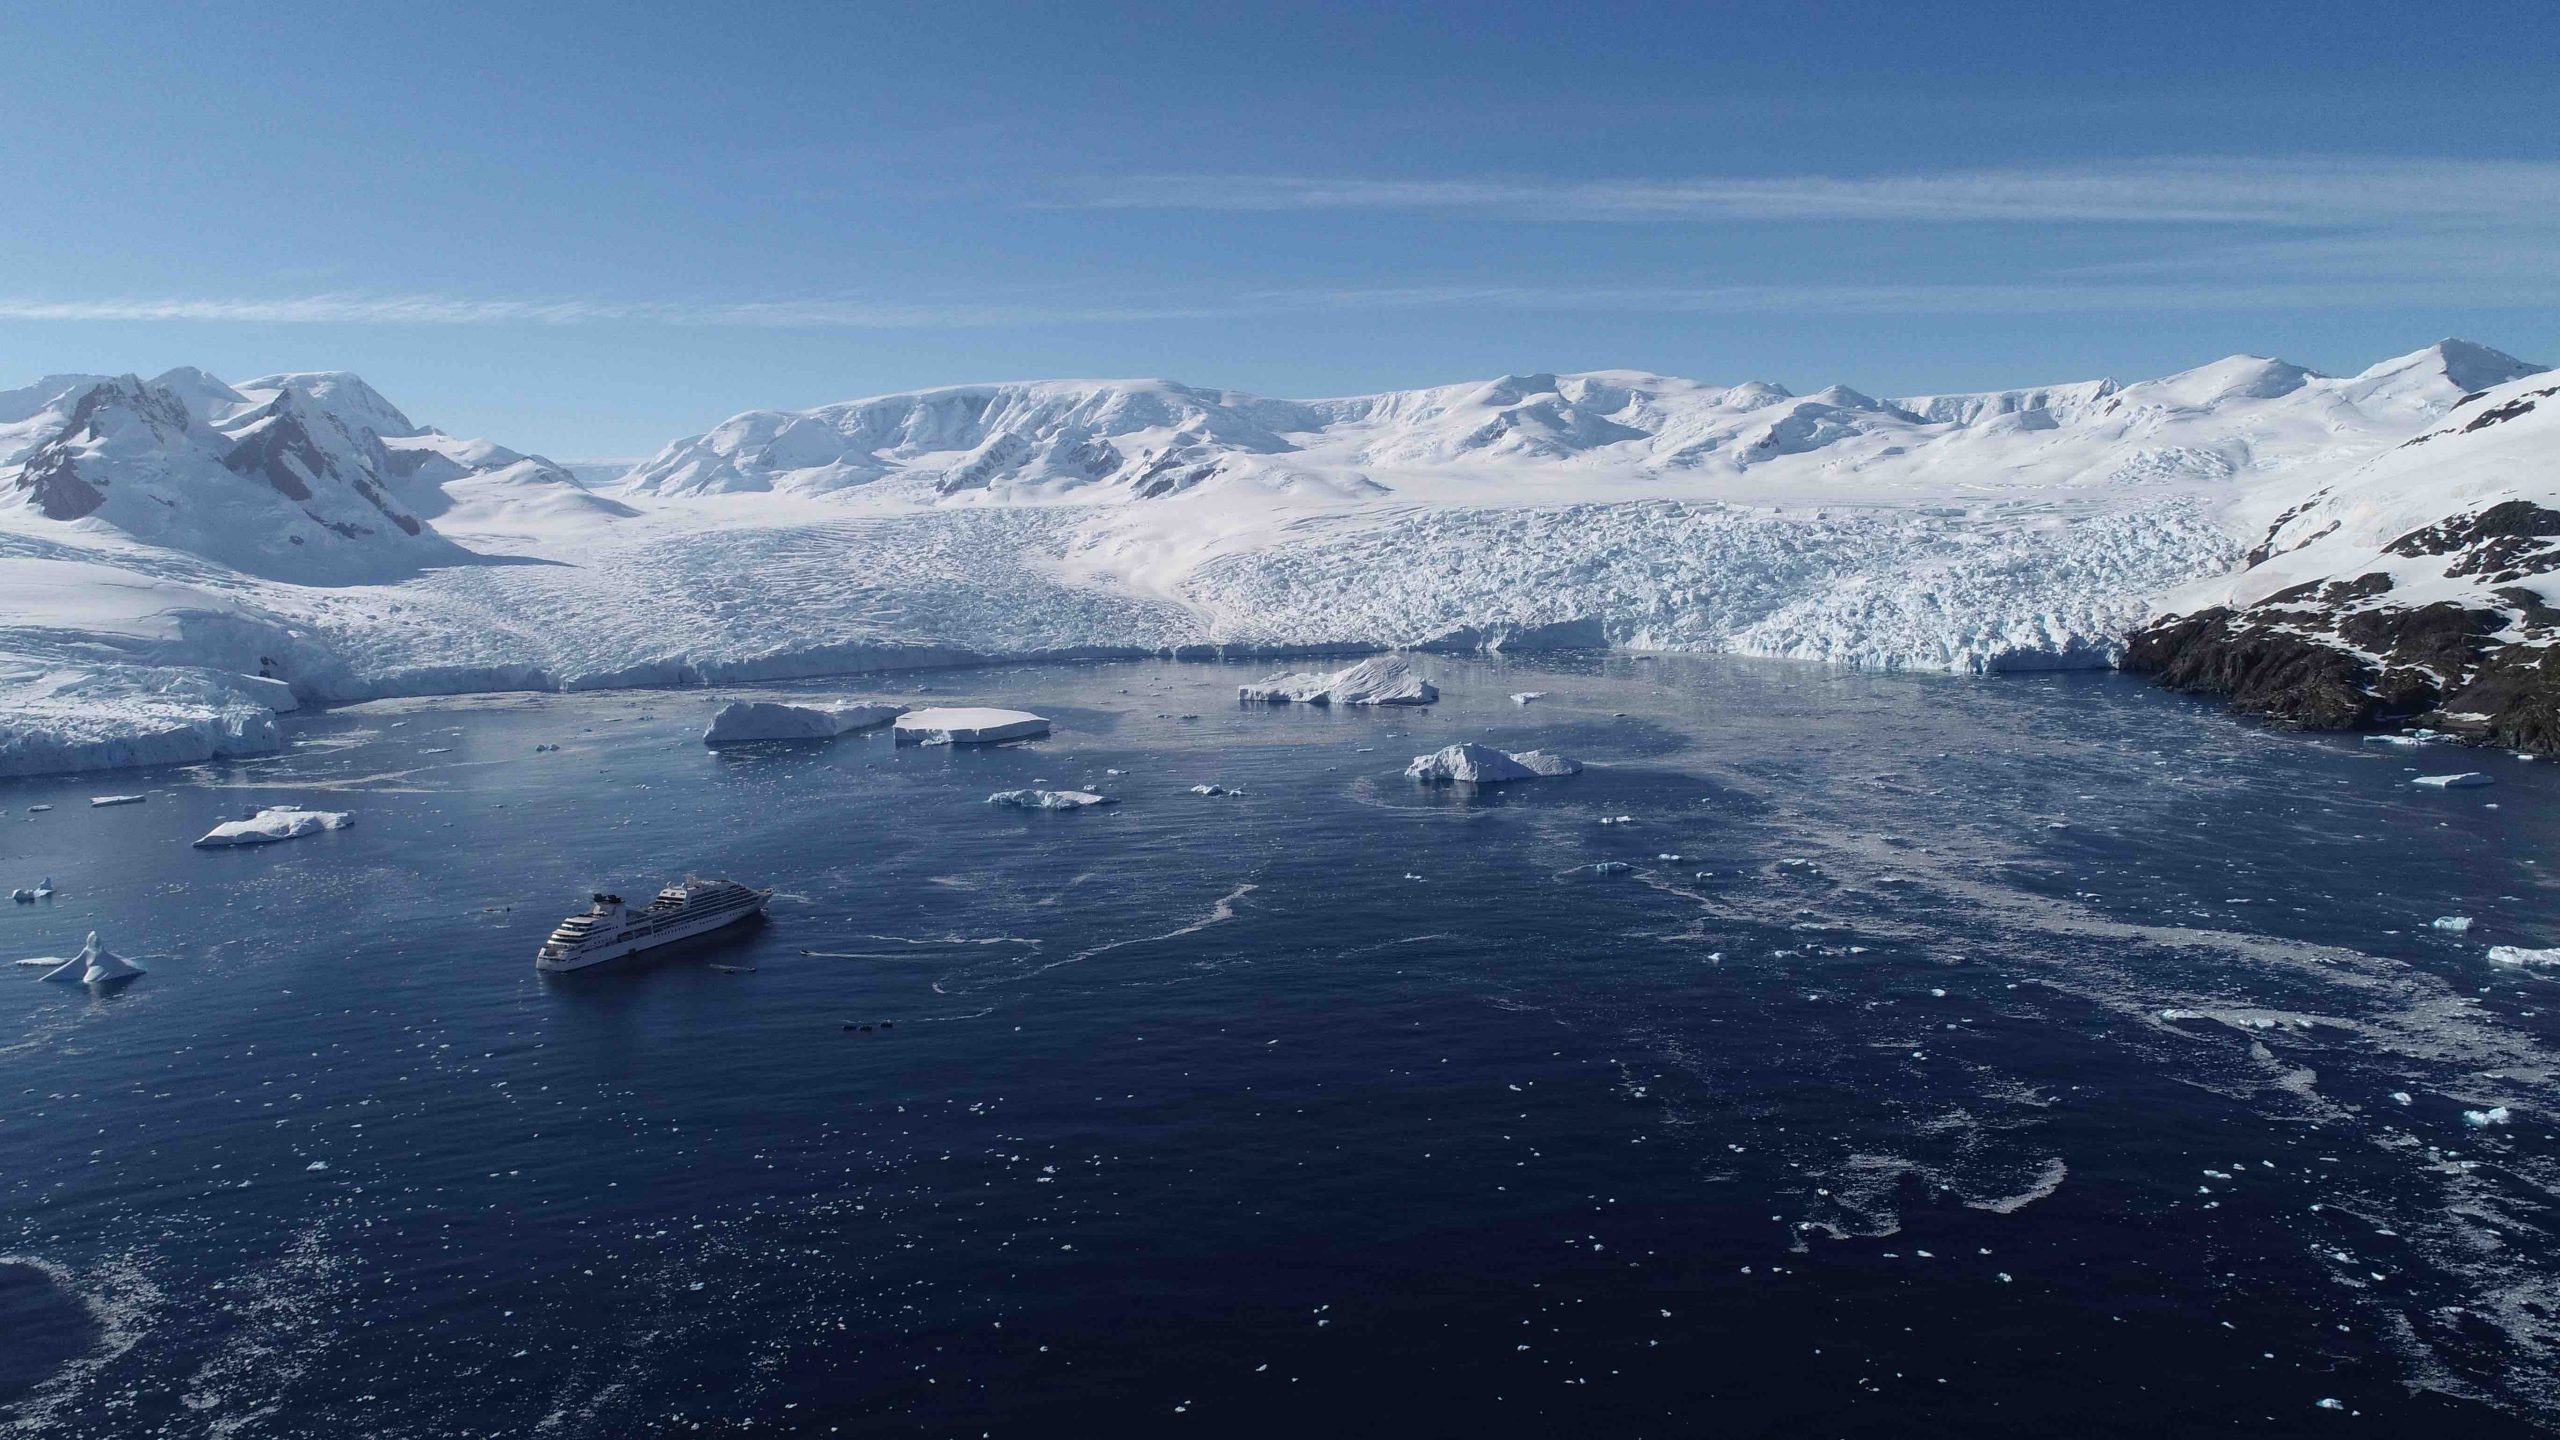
{"x":610,"y":930}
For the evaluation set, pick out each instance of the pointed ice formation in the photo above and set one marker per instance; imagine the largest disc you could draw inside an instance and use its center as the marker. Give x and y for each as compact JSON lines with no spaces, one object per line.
{"x":95,"y":965}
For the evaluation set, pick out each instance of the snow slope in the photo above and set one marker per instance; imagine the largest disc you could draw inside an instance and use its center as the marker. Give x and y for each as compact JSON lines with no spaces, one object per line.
{"x":2423,"y":582}
{"x":1984,"y":532}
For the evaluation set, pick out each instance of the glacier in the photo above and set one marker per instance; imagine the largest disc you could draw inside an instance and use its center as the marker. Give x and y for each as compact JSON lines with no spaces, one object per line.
{"x":173,"y":619}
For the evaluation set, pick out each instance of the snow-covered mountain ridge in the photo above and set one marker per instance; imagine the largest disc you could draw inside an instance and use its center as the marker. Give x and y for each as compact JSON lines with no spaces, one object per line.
{"x":1152,"y":439}
{"x":155,"y":606}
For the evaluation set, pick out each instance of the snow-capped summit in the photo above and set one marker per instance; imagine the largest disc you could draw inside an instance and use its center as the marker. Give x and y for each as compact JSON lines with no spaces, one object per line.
{"x":1534,"y":433}
{"x":307,"y":477}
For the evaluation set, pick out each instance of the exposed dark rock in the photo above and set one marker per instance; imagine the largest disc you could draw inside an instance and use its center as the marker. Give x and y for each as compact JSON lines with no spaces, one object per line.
{"x":2263,"y":671}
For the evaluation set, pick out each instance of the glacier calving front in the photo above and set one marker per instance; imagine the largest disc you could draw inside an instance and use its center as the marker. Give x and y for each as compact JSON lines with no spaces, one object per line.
{"x":180,"y":559}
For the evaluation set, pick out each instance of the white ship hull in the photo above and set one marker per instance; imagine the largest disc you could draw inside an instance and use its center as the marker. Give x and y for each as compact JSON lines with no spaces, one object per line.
{"x":625,"y":933}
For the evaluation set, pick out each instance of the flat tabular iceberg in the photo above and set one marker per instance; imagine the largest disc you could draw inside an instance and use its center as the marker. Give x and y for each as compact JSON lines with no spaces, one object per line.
{"x":1468,"y":763}
{"x":2522,"y":958}
{"x":741,"y":721}
{"x":1049,"y":799}
{"x":2464,"y":781}
{"x":968,"y":725}
{"x":1384,"y":680}
{"x":276,"y":822}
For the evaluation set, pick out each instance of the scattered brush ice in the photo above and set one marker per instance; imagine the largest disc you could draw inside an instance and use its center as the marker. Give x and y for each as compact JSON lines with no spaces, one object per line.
{"x":1468,"y":763}
{"x":276,"y":822}
{"x":741,"y":721}
{"x":2455,"y":923}
{"x":98,"y":965}
{"x":1049,"y":799}
{"x":2483,"y":1119}
{"x":99,"y":800}
{"x":2468,"y":779}
{"x":968,"y":725}
{"x":1523,"y":697}
{"x":1382,"y":680}
{"x":2523,"y":958}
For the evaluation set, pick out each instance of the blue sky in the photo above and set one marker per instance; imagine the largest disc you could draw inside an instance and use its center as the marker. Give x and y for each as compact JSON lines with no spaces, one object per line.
{"x":593,"y":228}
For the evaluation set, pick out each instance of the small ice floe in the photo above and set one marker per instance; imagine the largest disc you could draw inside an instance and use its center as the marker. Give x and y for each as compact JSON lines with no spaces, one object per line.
{"x":30,"y":894}
{"x":2523,"y":958}
{"x":1617,"y":819}
{"x":1050,"y":799}
{"x":95,"y":965}
{"x":2455,"y":923}
{"x":2483,"y":1119}
{"x":544,"y":748}
{"x":968,"y":725}
{"x":1384,"y":680}
{"x":1207,"y":789}
{"x":2402,"y":1097}
{"x":1609,"y":867}
{"x":96,"y":801}
{"x":1523,"y":697}
{"x":742,"y":721}
{"x":1468,"y":763}
{"x":276,"y":822}
{"x":38,"y":809}
{"x":2330,"y":1402}
{"x":2466,"y":780}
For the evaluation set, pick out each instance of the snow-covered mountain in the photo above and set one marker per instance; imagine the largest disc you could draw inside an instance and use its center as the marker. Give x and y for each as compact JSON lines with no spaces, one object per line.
{"x":314,"y":478}
{"x":182,"y":557}
{"x":1152,"y":439}
{"x":2424,"y":583}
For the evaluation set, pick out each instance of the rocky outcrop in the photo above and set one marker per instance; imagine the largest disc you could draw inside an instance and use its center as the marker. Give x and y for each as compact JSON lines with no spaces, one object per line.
{"x":2422,"y":590}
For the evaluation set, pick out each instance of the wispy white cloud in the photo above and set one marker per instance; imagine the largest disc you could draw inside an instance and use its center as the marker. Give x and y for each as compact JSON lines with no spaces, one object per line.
{"x":2314,"y":191}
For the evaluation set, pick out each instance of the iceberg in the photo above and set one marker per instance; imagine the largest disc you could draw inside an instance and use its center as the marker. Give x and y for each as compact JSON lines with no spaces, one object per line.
{"x":276,"y":822}
{"x":968,"y":725}
{"x":1523,"y":697}
{"x":94,"y":965}
{"x":1382,"y":680}
{"x":1213,"y":790}
{"x":2455,"y":923}
{"x":2464,"y":781}
{"x":1468,"y":763}
{"x":2525,"y":959}
{"x":742,"y":721}
{"x":96,"y":801}
{"x":1050,"y":799}
{"x":2483,"y":1119}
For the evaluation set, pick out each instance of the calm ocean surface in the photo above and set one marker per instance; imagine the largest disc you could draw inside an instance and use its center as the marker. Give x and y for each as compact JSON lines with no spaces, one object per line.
{"x":1953,"y":1059}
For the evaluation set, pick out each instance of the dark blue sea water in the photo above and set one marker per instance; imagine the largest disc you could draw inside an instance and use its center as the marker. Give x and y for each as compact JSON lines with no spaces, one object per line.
{"x":1994,"y":1058}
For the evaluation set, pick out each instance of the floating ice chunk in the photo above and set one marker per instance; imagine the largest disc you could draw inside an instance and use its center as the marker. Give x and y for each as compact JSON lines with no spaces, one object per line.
{"x":968,"y":725}
{"x":98,"y":800}
{"x":2464,"y":781}
{"x":2483,"y":1119}
{"x":276,"y":822}
{"x":2402,"y":1097}
{"x":1523,"y":697}
{"x":1383,"y":680}
{"x":2519,"y":956}
{"x":38,"y":809}
{"x":1209,"y":789}
{"x":1049,"y":799}
{"x":1609,"y":867}
{"x":95,"y":965}
{"x":741,"y":721}
{"x":1468,"y":763}
{"x":2330,"y":1402}
{"x":2455,"y":923}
